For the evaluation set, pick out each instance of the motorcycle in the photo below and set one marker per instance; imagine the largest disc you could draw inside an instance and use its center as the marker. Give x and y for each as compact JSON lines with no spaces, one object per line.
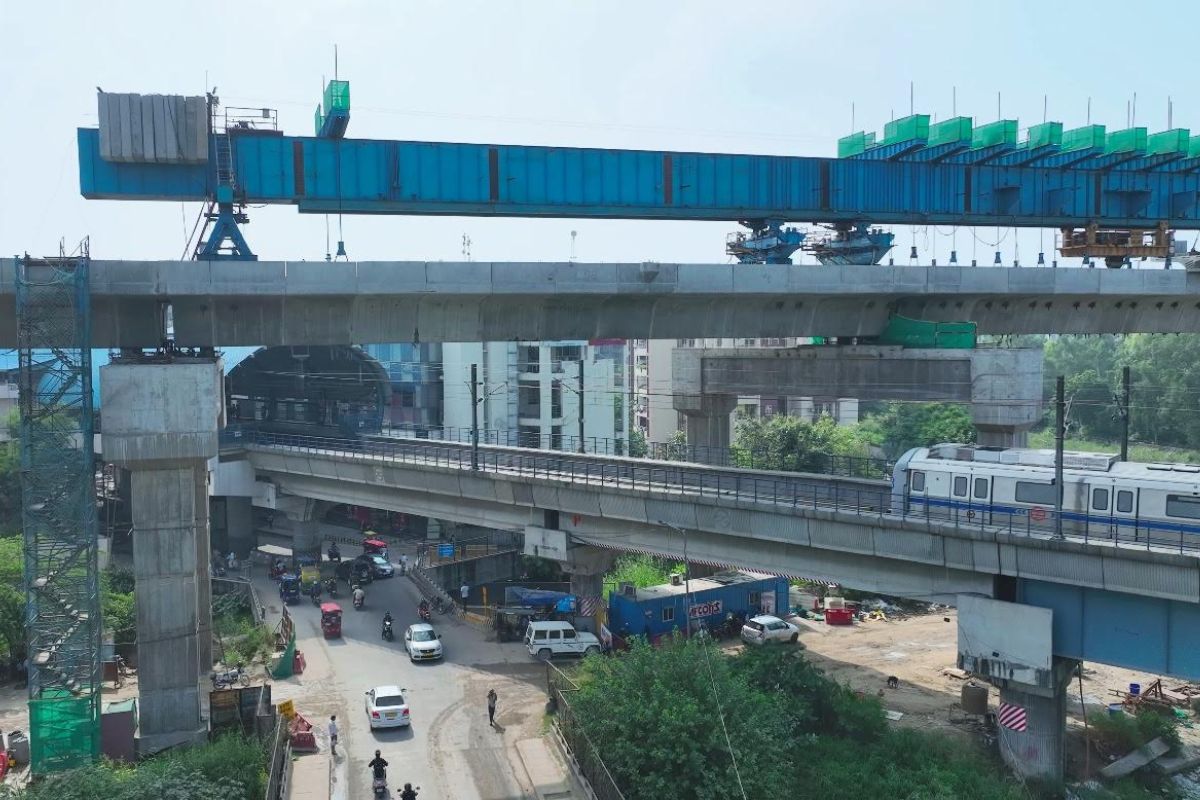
{"x":379,"y":783}
{"x":334,"y":554}
{"x":387,"y":630}
{"x":423,"y":612}
{"x":331,"y":587}
{"x":222,"y":680}
{"x":358,"y":602}
{"x":316,"y":595}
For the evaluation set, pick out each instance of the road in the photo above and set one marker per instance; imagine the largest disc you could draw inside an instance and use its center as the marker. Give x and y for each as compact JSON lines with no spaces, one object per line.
{"x":450,"y":750}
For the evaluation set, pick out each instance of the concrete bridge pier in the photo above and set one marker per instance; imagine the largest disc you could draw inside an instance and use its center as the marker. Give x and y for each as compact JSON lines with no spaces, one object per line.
{"x":1037,"y":751}
{"x":161,"y":418}
{"x":708,"y":424}
{"x":301,"y":513}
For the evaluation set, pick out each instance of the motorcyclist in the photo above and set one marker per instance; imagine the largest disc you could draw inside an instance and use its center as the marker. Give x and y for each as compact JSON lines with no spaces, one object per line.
{"x":409,"y":792}
{"x":387,"y":617}
{"x":360,"y":596}
{"x":331,"y":586}
{"x":315,"y":592}
{"x":334,"y":553}
{"x":378,"y":766}
{"x":423,"y":609}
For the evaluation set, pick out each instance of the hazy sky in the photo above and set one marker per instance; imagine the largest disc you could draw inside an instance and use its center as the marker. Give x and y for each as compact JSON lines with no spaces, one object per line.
{"x":750,"y":77}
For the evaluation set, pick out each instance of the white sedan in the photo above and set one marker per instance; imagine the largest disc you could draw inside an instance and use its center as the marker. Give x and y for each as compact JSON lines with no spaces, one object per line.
{"x":766,"y":628}
{"x":422,"y":642}
{"x":386,"y":707}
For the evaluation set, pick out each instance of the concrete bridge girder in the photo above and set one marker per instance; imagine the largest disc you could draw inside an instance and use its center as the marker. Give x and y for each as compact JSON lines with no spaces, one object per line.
{"x":1002,"y":386}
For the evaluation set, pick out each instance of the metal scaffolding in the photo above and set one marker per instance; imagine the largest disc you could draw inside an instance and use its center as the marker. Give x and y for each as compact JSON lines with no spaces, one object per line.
{"x":62,"y":608}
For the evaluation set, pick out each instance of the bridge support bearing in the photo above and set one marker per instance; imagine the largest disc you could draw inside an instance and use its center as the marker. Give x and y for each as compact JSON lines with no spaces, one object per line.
{"x":1037,"y":751}
{"x":161,"y":419}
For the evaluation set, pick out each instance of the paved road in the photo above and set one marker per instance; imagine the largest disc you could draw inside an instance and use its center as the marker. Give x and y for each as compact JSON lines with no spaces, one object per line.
{"x":450,"y":750}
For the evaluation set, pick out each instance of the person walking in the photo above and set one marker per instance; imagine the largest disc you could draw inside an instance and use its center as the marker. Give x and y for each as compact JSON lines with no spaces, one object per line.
{"x":491,"y":700}
{"x":404,"y":563}
{"x":463,"y":591}
{"x":333,"y":734}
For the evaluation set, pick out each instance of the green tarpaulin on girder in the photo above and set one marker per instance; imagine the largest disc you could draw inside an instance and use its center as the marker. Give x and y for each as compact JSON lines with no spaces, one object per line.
{"x":924,"y":334}
{"x":287,"y":662}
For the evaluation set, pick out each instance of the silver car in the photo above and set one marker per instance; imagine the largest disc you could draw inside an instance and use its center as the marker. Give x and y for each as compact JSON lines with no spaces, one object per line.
{"x":422,"y":642}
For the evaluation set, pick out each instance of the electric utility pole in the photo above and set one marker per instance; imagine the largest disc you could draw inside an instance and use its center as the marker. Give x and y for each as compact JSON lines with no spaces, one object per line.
{"x":475,"y":417}
{"x":1060,"y":425}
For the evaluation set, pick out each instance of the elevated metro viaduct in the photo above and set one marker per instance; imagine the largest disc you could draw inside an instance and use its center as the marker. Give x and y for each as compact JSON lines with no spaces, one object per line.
{"x":1132,"y":606}
{"x":226,"y":304}
{"x":1003,"y":386}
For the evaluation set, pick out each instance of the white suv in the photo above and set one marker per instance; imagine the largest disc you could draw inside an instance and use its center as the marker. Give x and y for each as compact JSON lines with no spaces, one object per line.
{"x":546,"y":639}
{"x":765,"y":628}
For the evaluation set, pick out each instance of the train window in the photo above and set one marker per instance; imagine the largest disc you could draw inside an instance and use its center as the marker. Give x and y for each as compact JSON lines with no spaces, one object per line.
{"x":1037,"y":493}
{"x":918,"y":481}
{"x":960,"y":486}
{"x":981,"y":488}
{"x":1180,"y":506}
{"x":1100,"y":500}
{"x":1124,"y":502}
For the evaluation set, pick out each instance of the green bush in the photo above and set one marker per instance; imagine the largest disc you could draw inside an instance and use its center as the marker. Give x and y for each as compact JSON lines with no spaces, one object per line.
{"x":1121,"y":733}
{"x":230,"y":768}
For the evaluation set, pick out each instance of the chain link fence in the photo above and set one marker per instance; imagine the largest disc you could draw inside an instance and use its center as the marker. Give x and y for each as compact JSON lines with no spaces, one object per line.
{"x":584,"y":758}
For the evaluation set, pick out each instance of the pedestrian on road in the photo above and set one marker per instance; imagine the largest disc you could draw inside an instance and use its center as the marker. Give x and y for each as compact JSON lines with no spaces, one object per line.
{"x":492,"y":707}
{"x":403,"y":563}
{"x":333,"y":735}
{"x":464,"y":590}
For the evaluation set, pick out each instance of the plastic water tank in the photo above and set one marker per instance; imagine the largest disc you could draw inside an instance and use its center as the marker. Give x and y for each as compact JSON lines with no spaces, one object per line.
{"x":974,"y":699}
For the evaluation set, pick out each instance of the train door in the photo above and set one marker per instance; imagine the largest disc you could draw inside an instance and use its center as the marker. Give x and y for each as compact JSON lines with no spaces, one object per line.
{"x":981,"y":499}
{"x":1099,"y":518}
{"x":1125,"y":513}
{"x":960,"y":501}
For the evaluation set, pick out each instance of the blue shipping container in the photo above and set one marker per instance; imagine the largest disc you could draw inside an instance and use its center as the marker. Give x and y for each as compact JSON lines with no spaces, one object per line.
{"x":656,"y":610}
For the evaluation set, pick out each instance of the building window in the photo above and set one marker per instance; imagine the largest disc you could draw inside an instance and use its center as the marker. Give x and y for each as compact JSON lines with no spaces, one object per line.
{"x":556,"y":399}
{"x":1036,"y":493}
{"x":668,"y":614}
{"x":530,"y":361}
{"x":407,"y":397}
{"x":556,"y":442}
{"x":960,"y":486}
{"x":1180,"y":506}
{"x":528,"y":436}
{"x":1124,"y":502}
{"x":755,"y":600}
{"x":918,"y":481}
{"x":981,"y":488}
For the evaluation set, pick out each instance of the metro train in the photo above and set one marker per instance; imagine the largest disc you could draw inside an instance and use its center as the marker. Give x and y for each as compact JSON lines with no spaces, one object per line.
{"x":1102,"y":496}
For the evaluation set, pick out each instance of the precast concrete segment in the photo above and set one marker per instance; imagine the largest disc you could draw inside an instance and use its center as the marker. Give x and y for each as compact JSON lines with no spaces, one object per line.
{"x":280,"y":303}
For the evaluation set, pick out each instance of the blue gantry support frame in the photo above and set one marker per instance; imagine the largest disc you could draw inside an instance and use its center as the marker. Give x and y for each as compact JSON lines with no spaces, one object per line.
{"x":355,"y":176}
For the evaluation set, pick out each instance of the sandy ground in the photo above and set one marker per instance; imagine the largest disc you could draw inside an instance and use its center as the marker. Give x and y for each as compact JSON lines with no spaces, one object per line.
{"x":917,"y":649}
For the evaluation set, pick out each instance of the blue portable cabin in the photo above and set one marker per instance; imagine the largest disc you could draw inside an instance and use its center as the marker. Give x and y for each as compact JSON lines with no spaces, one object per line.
{"x":658,"y":610}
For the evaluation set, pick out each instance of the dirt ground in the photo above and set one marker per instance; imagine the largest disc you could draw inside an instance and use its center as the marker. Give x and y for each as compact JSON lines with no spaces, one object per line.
{"x":917,"y":649}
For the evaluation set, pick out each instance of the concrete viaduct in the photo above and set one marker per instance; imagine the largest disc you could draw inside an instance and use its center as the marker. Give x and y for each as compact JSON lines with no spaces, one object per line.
{"x":232,"y":303}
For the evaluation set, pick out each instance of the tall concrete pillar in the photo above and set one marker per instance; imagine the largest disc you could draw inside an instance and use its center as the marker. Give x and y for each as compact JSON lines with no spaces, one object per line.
{"x":587,"y":566}
{"x":160,"y":422}
{"x":302,"y":516}
{"x":1037,"y":751}
{"x":708,"y":424}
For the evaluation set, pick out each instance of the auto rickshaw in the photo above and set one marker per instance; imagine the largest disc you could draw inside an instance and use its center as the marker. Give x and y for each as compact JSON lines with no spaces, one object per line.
{"x":373,"y":545}
{"x":511,"y":621}
{"x":289,"y":587}
{"x":331,"y":620}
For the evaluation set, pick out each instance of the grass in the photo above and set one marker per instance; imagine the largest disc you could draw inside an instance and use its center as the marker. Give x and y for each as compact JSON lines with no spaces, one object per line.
{"x":1137,"y":452}
{"x":244,"y":641}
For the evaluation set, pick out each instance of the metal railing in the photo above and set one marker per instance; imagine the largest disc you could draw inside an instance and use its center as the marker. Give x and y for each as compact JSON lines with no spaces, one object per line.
{"x":825,"y":463}
{"x":801,"y":492}
{"x":584,"y":755}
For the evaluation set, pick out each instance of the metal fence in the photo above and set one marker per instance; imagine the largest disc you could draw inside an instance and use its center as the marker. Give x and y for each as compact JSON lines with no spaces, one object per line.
{"x":585,"y":758}
{"x":280,"y":761}
{"x":802,"y":492}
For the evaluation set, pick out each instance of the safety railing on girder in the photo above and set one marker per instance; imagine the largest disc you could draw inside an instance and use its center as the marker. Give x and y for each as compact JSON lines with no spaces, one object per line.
{"x":800,"y":492}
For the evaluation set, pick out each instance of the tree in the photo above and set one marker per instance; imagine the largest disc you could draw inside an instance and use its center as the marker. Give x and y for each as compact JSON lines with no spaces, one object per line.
{"x":638,"y":448}
{"x":898,"y":427}
{"x":641,"y":571}
{"x":792,"y":444}
{"x":653,"y":713}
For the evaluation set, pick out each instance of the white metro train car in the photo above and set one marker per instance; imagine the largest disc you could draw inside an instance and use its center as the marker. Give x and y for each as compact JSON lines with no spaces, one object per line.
{"x":1102,"y":496}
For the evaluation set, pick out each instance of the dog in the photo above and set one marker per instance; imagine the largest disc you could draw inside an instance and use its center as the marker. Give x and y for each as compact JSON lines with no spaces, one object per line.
{"x":893,"y":682}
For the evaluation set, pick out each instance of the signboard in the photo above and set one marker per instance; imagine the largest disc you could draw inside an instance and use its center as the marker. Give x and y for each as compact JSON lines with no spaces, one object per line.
{"x":287,"y":709}
{"x":545,"y":543}
{"x":446,"y":551}
{"x":708,"y":609}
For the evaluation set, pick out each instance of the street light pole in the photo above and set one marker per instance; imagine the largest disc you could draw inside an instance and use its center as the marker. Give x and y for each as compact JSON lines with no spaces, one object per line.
{"x":687,"y":575}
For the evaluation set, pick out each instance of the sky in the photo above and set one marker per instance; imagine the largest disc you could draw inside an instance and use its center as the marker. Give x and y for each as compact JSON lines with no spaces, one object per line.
{"x":766,"y":77}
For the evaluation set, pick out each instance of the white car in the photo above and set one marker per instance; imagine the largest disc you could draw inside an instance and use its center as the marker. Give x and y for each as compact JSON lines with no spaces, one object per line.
{"x":422,"y":642}
{"x":766,"y":628}
{"x":554,"y":638}
{"x":386,"y":708}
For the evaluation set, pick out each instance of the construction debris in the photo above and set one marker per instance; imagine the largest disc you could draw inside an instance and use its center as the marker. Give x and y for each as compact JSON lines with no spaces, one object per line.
{"x":956,"y":673}
{"x":1135,"y":760}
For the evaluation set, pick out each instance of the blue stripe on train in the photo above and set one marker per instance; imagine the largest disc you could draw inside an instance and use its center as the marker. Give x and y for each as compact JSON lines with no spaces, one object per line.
{"x":1075,"y":516}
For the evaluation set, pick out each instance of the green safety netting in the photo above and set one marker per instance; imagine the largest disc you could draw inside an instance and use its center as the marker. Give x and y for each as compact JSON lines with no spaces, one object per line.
{"x":921,"y":333}
{"x":337,"y":96}
{"x":64,"y":732}
{"x":287,"y":661}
